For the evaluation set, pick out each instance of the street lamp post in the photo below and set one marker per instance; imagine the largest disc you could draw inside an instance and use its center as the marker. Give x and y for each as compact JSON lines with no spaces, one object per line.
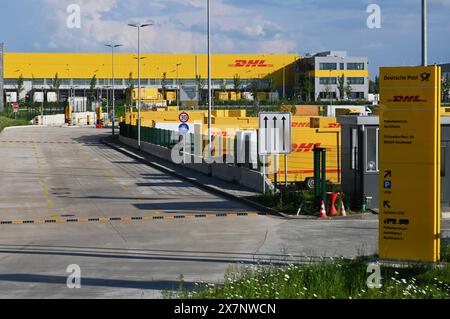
{"x":424,"y":34}
{"x":113,"y":46}
{"x":209,"y":81}
{"x":138,"y":27}
{"x":178,"y":84}
{"x":42,"y":106}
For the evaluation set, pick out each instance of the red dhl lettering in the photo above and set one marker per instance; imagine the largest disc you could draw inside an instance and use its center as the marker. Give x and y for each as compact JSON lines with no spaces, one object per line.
{"x":305,"y":147}
{"x":334,"y":125}
{"x":251,"y":64}
{"x":301,"y":124}
{"x":308,"y":125}
{"x":220,"y":134}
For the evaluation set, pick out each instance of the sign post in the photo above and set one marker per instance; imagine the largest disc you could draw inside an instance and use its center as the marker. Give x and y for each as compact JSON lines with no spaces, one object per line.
{"x":15,"y":106}
{"x":275,"y":137}
{"x":410,"y":138}
{"x":184,"y":130}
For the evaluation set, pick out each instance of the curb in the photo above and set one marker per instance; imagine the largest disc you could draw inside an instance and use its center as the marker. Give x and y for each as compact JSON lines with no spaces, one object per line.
{"x":22,"y":126}
{"x":309,"y":217}
{"x":213,"y":190}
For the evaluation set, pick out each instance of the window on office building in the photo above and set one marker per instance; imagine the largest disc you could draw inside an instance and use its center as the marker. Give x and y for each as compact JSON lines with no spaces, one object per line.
{"x":328,"y":66}
{"x":355,"y":66}
{"x":327,"y":95}
{"x":328,"y":80}
{"x":39,"y":82}
{"x":357,"y":95}
{"x":355,"y":81}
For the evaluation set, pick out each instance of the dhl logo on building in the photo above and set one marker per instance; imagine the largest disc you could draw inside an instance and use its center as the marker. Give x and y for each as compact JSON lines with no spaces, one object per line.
{"x":251,"y":64}
{"x":403,"y":99}
{"x":221,"y":134}
{"x":308,"y":125}
{"x":305,"y":147}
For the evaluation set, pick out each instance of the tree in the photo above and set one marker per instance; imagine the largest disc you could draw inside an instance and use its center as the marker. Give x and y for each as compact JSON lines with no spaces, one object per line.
{"x":446,"y":87}
{"x":374,"y":86}
{"x":237,"y":83}
{"x":56,"y":84}
{"x":223,"y":86}
{"x":92,"y":87}
{"x":130,"y":88}
{"x":305,"y":88}
{"x":254,"y":88}
{"x":341,"y":86}
{"x":32,"y":88}
{"x":20,"y":86}
{"x":200,"y":87}
{"x":328,"y":91}
{"x":348,"y":91}
{"x":272,"y":85}
{"x":164,"y":83}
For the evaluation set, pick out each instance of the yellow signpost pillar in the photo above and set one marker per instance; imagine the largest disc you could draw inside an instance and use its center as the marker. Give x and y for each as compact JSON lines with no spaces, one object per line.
{"x":410,"y":182}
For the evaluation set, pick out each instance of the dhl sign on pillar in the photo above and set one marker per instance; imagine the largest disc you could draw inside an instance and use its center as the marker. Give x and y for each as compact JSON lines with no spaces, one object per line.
{"x":410,"y":130}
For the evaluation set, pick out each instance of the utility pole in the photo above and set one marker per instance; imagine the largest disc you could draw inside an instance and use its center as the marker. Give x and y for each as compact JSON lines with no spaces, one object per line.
{"x":113,"y":46}
{"x":138,"y":27}
{"x":424,"y":34}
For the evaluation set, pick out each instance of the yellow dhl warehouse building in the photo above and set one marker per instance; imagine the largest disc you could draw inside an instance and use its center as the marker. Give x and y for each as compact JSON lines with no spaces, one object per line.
{"x":77,"y":69}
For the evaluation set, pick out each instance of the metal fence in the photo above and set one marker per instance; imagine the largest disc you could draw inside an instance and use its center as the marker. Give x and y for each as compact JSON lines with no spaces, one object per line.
{"x":163,"y":138}
{"x":224,"y":148}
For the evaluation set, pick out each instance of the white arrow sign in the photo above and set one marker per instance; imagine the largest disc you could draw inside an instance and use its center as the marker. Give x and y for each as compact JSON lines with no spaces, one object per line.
{"x":275,"y":134}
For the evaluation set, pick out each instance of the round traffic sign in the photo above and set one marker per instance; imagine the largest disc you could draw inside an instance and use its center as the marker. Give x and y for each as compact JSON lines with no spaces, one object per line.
{"x":184,"y":117}
{"x":183,"y":129}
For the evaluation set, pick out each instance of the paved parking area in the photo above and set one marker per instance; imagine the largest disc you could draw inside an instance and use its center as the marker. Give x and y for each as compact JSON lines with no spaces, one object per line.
{"x":66,"y":173}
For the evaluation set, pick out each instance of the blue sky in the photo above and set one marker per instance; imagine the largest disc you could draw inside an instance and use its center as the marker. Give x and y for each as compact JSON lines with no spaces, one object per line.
{"x":266,"y":26}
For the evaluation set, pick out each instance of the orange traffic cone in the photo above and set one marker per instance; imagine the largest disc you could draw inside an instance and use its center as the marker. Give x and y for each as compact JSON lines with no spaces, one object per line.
{"x":323,"y":211}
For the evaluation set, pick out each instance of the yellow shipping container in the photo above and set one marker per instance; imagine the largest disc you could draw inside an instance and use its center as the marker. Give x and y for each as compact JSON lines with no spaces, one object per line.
{"x":222,"y":96}
{"x":171,"y":96}
{"x":151,"y":94}
{"x":262,"y":96}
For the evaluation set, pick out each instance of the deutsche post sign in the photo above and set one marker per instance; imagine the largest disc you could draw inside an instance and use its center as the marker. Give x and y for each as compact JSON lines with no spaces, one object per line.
{"x":410,"y":138}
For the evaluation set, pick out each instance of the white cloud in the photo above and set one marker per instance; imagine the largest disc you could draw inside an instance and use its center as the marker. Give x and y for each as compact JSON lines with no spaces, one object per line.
{"x":179,"y":26}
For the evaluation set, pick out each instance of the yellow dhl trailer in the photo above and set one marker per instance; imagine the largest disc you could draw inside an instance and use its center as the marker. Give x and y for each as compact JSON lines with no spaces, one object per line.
{"x":307,"y":133}
{"x":300,"y":164}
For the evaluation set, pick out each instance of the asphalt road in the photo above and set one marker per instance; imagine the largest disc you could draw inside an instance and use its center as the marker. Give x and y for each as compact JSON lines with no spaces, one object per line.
{"x":66,"y":173}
